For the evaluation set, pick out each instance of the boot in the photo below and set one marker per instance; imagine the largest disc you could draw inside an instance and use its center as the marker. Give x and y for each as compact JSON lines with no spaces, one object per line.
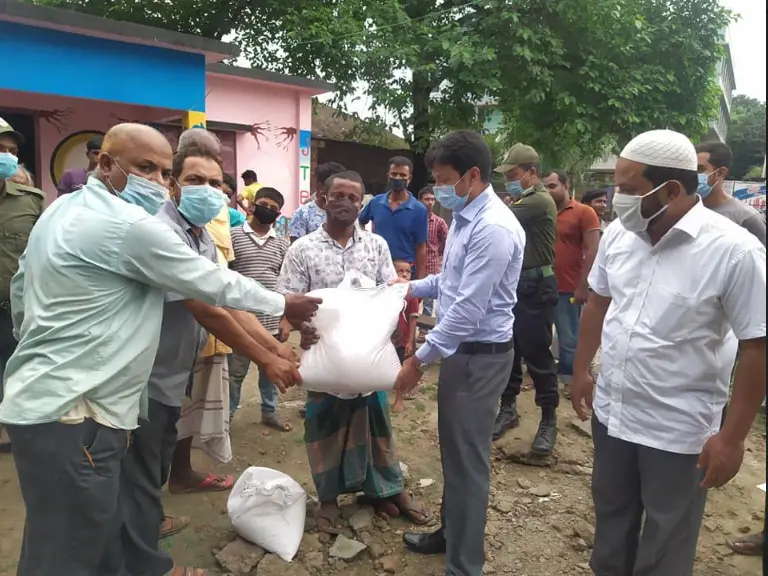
{"x":546,"y":436}
{"x":506,"y":419}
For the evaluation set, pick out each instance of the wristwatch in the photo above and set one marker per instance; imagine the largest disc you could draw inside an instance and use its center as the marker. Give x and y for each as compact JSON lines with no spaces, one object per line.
{"x":423,"y":367}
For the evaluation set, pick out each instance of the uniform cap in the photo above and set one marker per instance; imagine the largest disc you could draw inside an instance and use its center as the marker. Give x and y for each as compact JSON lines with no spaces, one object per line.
{"x":6,"y":128}
{"x":664,"y":149}
{"x":516,"y":156}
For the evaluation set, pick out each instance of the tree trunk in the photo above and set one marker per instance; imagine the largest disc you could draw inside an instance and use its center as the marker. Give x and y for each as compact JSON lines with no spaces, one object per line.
{"x":422,"y":130}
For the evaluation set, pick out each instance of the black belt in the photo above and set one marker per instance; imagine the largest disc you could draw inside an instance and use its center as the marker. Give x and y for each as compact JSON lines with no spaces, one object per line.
{"x":538,"y":272}
{"x":476,"y":348}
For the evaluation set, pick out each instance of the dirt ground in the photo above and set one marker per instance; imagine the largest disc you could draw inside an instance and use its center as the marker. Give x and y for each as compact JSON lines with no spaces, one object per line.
{"x":539,"y":521}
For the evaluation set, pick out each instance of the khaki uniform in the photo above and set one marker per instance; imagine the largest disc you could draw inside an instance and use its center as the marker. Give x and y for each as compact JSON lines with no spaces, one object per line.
{"x":20,"y":207}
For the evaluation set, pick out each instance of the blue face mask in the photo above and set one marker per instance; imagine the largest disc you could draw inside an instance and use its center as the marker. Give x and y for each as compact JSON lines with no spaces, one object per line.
{"x":8,"y":165}
{"x":514,"y":189}
{"x":446,"y":195}
{"x":200,"y":204}
{"x":705,"y":188}
{"x":144,"y":193}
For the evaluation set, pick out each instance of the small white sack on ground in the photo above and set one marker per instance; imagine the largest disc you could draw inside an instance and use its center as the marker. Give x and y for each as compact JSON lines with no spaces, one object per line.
{"x":355,"y":354}
{"x":269,"y":508}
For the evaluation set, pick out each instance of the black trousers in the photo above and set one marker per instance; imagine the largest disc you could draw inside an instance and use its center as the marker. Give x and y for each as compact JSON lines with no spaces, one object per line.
{"x":69,"y":476}
{"x":7,"y":342}
{"x":534,"y":320}
{"x":133,"y":545}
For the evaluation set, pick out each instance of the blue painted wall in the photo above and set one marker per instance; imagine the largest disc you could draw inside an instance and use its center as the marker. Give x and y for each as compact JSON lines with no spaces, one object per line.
{"x":66,"y":64}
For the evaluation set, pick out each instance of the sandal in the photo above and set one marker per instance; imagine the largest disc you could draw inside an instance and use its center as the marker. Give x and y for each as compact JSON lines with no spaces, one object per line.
{"x":332,"y":522}
{"x":751,"y":545}
{"x":272,"y":420}
{"x":173,"y":525}
{"x":181,"y":571}
{"x":211,"y":483}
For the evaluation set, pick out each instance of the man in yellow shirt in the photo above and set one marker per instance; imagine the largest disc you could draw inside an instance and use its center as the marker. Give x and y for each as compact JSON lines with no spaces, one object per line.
{"x":247,"y":197}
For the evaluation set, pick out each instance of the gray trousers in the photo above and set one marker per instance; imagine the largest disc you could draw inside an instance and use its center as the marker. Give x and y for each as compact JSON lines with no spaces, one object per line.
{"x":629,"y":480}
{"x":133,"y":546}
{"x":69,"y":476}
{"x":468,"y":393}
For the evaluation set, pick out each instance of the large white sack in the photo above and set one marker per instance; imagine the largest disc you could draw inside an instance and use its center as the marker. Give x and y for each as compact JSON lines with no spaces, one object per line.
{"x":355,"y":354}
{"x":268,"y":508}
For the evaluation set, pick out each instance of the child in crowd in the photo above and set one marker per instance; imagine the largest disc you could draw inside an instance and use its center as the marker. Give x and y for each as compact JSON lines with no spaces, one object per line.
{"x":404,"y":338}
{"x":259,"y":254}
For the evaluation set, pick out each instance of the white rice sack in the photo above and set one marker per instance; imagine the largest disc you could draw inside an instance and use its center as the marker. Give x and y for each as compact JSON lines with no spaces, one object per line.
{"x":268,"y":508}
{"x":355,"y":354}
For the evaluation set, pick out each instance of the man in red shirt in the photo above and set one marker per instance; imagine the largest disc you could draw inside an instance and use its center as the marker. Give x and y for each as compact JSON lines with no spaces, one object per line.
{"x":437,"y":234}
{"x":578,"y":236}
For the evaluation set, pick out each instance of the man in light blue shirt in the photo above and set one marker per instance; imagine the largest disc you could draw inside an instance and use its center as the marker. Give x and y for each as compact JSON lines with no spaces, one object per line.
{"x":476,"y":293}
{"x":87,"y":307}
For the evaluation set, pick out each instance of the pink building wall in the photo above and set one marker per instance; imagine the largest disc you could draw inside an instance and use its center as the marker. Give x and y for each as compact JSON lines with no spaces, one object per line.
{"x":276,"y":115}
{"x":267,"y":119}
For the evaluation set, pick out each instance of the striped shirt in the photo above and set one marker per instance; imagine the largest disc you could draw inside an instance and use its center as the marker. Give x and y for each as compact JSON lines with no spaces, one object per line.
{"x":260,"y":258}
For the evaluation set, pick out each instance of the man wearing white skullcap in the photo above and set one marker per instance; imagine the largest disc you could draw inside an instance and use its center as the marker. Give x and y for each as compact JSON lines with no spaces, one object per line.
{"x":669,"y":281}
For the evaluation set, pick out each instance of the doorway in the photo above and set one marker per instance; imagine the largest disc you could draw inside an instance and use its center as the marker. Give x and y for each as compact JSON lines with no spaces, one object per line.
{"x":25,"y":125}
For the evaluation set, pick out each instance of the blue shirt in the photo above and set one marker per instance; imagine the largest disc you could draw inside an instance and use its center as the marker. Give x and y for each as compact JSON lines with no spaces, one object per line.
{"x":236,"y":218}
{"x":87,"y":305}
{"x":477,"y":288}
{"x":307,"y":218}
{"x":403,"y":228}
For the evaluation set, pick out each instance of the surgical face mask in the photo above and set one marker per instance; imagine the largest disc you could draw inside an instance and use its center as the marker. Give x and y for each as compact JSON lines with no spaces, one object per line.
{"x":264,"y":214}
{"x":447,"y":196}
{"x":514,"y":189}
{"x":142,"y":192}
{"x":397,"y":184}
{"x":8,"y":165}
{"x":705,"y":188}
{"x":200,"y":204}
{"x":630,"y":212}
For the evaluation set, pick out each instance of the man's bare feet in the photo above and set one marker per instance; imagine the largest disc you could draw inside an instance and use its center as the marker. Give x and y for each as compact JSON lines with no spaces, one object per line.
{"x":329,"y":518}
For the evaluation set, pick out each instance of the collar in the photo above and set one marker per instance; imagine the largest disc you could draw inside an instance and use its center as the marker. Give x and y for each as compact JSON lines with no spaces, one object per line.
{"x":172,"y":213}
{"x":20,"y":189}
{"x":571,"y":204}
{"x":471,"y":210}
{"x":694,"y":219}
{"x":407,"y":205}
{"x":325,"y":237}
{"x":248,"y":230}
{"x":538,"y":187}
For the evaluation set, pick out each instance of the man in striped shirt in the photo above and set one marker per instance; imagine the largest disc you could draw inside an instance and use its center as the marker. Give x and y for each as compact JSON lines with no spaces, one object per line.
{"x":259,"y":254}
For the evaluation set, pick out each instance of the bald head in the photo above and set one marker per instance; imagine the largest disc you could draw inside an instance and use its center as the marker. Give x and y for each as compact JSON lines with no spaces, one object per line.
{"x":201,"y":139}
{"x":134,"y":149}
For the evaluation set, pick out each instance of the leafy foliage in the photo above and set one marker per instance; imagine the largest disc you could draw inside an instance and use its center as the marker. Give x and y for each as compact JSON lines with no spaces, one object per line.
{"x":572,"y":78}
{"x":747,"y":137}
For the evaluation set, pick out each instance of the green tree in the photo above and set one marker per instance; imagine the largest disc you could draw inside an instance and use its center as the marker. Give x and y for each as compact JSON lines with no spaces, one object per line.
{"x":746,"y":136}
{"x":572,"y":80}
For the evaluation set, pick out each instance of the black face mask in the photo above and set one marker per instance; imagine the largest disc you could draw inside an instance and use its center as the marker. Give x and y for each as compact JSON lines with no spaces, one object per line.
{"x":342,"y":211}
{"x":397,"y":184}
{"x":264,"y":214}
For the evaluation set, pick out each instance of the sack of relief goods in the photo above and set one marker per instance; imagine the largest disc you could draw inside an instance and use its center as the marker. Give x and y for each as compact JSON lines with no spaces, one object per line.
{"x":354,"y":354}
{"x":268,"y":508}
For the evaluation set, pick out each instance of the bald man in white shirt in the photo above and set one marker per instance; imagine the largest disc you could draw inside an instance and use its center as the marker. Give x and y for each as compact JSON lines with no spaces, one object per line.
{"x":670,"y":280}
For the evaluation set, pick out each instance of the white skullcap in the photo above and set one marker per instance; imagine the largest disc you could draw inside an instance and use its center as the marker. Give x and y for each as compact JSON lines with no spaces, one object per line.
{"x":663,"y":148}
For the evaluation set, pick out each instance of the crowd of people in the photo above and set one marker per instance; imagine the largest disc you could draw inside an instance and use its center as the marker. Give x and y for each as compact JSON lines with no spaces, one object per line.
{"x":134,"y":305}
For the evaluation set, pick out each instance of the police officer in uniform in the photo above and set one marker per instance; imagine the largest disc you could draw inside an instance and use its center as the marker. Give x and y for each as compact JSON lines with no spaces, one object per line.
{"x":537,"y":298}
{"x":20,"y":207}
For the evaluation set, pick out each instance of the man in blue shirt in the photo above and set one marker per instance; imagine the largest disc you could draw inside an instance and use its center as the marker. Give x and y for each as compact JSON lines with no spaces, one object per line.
{"x":400,"y":218}
{"x":477,"y":291}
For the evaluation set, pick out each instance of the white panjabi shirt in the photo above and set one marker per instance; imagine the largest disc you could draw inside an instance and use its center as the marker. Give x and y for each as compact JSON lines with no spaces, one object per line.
{"x":666,"y":360}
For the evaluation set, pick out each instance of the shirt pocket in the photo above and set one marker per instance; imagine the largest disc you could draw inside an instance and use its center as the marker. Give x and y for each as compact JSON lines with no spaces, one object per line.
{"x":670,"y":315}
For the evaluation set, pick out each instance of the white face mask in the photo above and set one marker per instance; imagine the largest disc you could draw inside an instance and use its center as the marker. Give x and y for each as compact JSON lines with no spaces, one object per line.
{"x":629,"y":209}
